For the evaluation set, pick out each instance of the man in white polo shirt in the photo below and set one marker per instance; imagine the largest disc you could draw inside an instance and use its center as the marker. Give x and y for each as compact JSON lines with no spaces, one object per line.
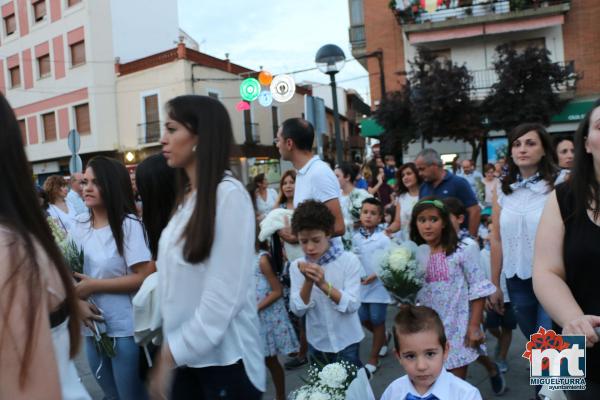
{"x":315,"y":179}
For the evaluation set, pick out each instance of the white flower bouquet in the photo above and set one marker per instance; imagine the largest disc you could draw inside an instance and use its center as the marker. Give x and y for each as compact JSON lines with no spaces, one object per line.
{"x":73,"y":256}
{"x":356,"y":197}
{"x":330,"y":382}
{"x":71,"y":252}
{"x":400,"y":272}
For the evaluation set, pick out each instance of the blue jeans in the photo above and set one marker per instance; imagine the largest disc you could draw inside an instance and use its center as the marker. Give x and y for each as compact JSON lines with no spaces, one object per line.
{"x":528,"y":310}
{"x":373,"y":312}
{"x":350,"y":354}
{"x":119,"y":376}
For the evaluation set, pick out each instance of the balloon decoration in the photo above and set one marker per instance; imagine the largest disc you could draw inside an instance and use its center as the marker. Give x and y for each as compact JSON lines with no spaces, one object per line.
{"x":242,"y":106}
{"x":283,"y":88}
{"x":266,"y":88}
{"x":265,"y":98}
{"x":265,"y":78}
{"x":250,"y":89}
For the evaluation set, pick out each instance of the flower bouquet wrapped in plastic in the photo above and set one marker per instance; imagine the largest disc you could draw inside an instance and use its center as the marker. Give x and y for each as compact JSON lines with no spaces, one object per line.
{"x":400,"y":272}
{"x":336,"y":381}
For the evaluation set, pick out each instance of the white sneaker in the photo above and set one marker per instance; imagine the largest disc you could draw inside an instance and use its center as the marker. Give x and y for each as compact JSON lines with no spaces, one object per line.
{"x":371,"y":368}
{"x":383,"y":351}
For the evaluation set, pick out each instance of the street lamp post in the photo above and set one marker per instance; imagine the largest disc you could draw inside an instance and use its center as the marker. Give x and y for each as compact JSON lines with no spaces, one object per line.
{"x":330,"y":60}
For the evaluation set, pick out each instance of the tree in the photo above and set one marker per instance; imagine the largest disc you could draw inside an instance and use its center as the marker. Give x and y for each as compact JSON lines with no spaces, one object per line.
{"x":394,"y":115}
{"x":527,"y":88}
{"x":442,"y":107}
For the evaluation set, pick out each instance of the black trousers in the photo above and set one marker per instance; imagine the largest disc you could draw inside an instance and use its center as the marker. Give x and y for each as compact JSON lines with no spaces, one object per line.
{"x":214,"y":383}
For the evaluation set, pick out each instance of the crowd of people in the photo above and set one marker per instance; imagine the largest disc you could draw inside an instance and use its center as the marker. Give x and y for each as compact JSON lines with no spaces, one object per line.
{"x":243,"y":276}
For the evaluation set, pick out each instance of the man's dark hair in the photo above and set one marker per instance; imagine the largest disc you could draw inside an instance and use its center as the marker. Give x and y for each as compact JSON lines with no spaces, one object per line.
{"x":312,"y":215}
{"x":300,"y":131}
{"x":454,"y":206}
{"x":349,"y":170}
{"x":416,"y":319}
{"x":375,"y":202}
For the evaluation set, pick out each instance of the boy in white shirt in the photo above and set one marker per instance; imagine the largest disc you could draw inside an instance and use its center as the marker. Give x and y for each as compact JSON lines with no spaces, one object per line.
{"x":368,"y":241}
{"x":325,"y":286}
{"x":422,"y":349}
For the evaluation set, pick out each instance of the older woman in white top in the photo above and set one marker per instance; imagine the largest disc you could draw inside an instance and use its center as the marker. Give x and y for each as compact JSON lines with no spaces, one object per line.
{"x":517,"y":209}
{"x":211,"y":344}
{"x":266,"y":198}
{"x":59,"y":209}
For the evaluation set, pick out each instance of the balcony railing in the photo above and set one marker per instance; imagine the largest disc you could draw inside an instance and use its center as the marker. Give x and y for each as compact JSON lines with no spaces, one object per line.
{"x":357,"y":35}
{"x":414,"y":13}
{"x":484,"y":79}
{"x":149,"y":132}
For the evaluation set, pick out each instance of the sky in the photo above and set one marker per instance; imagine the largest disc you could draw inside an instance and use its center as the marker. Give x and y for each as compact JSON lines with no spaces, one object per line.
{"x":280,"y":35}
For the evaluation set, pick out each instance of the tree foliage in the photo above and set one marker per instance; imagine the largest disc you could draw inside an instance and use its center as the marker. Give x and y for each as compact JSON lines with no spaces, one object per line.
{"x":394,"y":115}
{"x":527,"y":88}
{"x":442,"y":106}
{"x":435,"y":104}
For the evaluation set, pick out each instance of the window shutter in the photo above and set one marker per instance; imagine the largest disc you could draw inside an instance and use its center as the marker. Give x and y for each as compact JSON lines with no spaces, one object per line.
{"x":49,"y":122}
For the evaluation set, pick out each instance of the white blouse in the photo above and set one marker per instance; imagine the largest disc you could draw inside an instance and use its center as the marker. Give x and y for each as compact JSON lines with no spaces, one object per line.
{"x":63,"y":219}
{"x":520,"y":215}
{"x":263,"y":206}
{"x":209,"y":309}
{"x":406,"y":202}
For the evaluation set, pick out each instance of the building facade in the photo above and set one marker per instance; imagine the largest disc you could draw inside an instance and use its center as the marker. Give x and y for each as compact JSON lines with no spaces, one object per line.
{"x":468,"y":32}
{"x":57,"y":69}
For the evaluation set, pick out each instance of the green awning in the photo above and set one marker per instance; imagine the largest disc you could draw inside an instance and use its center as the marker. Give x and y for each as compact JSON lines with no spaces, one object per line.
{"x":574,"y":111}
{"x":370,"y":128}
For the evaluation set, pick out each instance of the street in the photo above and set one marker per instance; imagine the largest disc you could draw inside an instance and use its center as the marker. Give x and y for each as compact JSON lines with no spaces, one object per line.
{"x":517,"y":378}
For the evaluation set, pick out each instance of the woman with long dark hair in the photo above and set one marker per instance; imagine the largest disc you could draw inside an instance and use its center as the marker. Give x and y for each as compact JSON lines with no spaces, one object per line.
{"x":565,"y":151}
{"x":156,"y":185}
{"x":265,"y":198}
{"x":565,"y":273}
{"x":116,"y":262}
{"x":517,"y":208}
{"x":39,"y":319}
{"x":409,"y":182}
{"x":205,"y":265}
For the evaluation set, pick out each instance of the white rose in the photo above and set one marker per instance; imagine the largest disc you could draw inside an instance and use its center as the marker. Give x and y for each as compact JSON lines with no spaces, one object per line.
{"x":399,"y":258}
{"x":333,"y":375}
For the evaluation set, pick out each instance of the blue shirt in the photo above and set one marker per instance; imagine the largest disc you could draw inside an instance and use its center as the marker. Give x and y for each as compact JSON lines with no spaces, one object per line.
{"x":450,"y":186}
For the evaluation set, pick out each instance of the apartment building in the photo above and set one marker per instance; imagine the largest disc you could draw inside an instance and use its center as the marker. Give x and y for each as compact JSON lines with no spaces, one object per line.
{"x":57,"y":68}
{"x":468,"y":31}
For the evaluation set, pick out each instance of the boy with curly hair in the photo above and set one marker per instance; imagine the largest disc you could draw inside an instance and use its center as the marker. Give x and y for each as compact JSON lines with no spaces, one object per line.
{"x":325,"y":286}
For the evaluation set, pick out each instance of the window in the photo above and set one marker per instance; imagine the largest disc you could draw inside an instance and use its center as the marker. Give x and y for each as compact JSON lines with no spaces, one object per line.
{"x":10,"y":24}
{"x":356,"y":12}
{"x":23,"y":129}
{"x":214,"y":95}
{"x":49,"y":122}
{"x":275,"y":118}
{"x":71,"y":3}
{"x":15,"y":76}
{"x":39,"y":10}
{"x":44,"y":66}
{"x":151,"y":116}
{"x":82,"y":118}
{"x":78,"y":53}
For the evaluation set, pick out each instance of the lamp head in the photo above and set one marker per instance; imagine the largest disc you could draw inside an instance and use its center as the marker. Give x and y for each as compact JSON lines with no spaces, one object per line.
{"x":330,"y":59}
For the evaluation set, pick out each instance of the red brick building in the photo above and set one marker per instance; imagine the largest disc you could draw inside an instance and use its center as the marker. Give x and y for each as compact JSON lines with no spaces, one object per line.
{"x":468,"y":31}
